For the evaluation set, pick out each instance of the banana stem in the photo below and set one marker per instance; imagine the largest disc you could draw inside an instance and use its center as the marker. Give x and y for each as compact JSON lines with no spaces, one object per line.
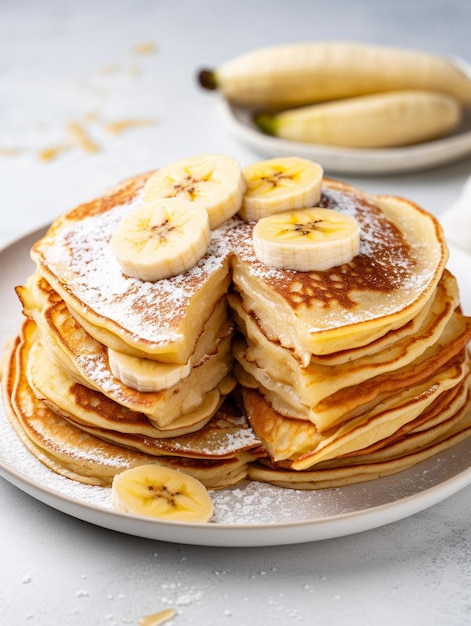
{"x":267,"y":123}
{"x":207,"y":79}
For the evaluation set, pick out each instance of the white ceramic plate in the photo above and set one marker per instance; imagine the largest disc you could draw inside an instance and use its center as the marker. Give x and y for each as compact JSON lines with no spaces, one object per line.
{"x":354,"y":160}
{"x":251,"y":514}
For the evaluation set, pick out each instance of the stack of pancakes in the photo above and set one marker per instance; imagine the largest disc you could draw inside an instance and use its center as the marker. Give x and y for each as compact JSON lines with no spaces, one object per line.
{"x":64,"y":398}
{"x":300,"y":379}
{"x":359,"y":371}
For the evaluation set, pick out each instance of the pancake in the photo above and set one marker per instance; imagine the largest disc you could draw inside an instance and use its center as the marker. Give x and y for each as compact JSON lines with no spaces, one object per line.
{"x":340,"y":476}
{"x":76,"y":454}
{"x":55,"y":387}
{"x":222,"y":434}
{"x":86,"y":360}
{"x":445,"y":407}
{"x":441,"y":416}
{"x":402,"y":257}
{"x":42,"y":304}
{"x":319,"y":380}
{"x":304,"y":445}
{"x":445,"y":423}
{"x":251,"y":329}
{"x":161,"y":319}
{"x":350,"y":401}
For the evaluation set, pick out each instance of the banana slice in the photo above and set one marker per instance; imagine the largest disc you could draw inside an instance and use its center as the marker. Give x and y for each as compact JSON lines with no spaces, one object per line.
{"x":280,"y":185}
{"x":146,"y":375}
{"x":306,"y":240}
{"x":212,"y":181}
{"x":161,"y":492}
{"x":161,"y":239}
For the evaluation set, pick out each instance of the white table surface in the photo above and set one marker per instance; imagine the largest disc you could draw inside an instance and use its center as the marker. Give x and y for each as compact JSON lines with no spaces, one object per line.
{"x":61,"y":61}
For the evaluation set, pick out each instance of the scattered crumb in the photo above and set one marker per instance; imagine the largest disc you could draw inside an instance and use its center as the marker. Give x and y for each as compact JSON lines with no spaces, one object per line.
{"x":10,"y":151}
{"x":79,"y":137}
{"x":145,"y":48}
{"x":92,"y":116}
{"x":122,"y":125}
{"x":109,"y":69}
{"x":157,"y":618}
{"x":134,"y":71}
{"x":77,"y":134}
{"x":48,"y":154}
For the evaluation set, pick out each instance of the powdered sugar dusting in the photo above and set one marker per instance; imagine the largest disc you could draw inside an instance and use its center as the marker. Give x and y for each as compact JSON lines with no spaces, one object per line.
{"x":81,"y":255}
{"x":389,"y":273}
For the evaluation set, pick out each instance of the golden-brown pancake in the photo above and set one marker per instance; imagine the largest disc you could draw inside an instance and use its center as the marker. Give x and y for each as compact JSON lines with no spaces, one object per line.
{"x":446,"y":430}
{"x":318,"y":380}
{"x":70,"y":451}
{"x":351,"y":401}
{"x":86,"y":360}
{"x":325,"y":478}
{"x":440,"y":417}
{"x":250,"y":327}
{"x":401,"y":260}
{"x":42,"y":304}
{"x":221,"y":435}
{"x":443,"y":408}
{"x":52,"y":384}
{"x":161,"y":319}
{"x":301,"y":443}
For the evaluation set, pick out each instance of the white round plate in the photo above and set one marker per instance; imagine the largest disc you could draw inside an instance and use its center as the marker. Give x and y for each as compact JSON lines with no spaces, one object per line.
{"x":364,"y":161}
{"x":250,"y":514}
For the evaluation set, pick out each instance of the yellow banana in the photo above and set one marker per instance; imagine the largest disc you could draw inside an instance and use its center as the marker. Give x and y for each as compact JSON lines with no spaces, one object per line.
{"x":302,"y":73}
{"x":396,"y":118}
{"x":306,"y":240}
{"x":161,"y":492}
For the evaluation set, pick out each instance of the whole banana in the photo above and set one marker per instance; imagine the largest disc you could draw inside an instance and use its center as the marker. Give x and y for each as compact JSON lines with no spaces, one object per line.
{"x":384,"y":120}
{"x":303,"y":73}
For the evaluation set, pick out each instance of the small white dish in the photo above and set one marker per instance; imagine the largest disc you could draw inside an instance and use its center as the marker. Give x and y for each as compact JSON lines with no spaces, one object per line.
{"x":364,"y":161}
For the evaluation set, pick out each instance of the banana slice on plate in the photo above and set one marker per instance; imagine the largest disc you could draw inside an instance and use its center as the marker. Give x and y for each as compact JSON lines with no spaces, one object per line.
{"x":212,"y":181}
{"x":161,"y":492}
{"x":280,"y":184}
{"x":161,"y":239}
{"x":307,"y":239}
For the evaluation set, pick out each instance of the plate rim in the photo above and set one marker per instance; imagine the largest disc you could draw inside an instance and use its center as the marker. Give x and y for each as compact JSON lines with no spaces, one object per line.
{"x":239,"y":535}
